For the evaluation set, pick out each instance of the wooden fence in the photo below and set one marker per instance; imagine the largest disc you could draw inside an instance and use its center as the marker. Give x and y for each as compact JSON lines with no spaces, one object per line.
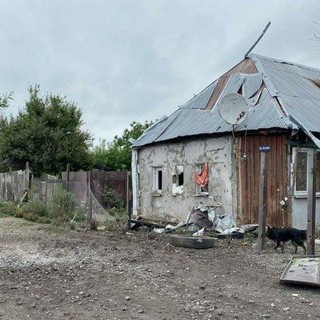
{"x":87,"y":186}
{"x":13,"y":184}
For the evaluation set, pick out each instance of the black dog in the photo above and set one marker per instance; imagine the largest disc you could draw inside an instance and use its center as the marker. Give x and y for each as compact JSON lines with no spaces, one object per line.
{"x":281,"y":235}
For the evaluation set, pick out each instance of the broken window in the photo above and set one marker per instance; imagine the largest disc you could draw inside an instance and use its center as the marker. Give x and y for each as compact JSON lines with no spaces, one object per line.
{"x":201,"y":179}
{"x":302,"y":169}
{"x":177,"y":180}
{"x":157,"y":180}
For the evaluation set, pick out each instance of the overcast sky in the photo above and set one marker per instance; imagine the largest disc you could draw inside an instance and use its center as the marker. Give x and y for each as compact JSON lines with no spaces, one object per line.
{"x":136,"y":60}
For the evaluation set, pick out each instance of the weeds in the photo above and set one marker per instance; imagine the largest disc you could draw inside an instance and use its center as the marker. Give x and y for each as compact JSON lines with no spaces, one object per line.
{"x":62,"y":209}
{"x":9,"y":209}
{"x":112,"y":199}
{"x":62,"y":206}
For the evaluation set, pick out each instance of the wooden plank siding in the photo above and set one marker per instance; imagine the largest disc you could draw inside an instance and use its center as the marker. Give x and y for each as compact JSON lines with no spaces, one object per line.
{"x":248,"y":171}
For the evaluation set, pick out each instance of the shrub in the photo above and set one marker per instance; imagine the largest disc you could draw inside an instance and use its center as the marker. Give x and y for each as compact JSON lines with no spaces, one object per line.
{"x":37,"y":208}
{"x":8,"y":209}
{"x":111,"y":198}
{"x":62,"y":205}
{"x":79,"y":215}
{"x":121,"y":220}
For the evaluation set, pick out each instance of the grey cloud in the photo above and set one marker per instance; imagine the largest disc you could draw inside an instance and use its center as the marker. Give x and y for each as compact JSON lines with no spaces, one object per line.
{"x":129,"y":60}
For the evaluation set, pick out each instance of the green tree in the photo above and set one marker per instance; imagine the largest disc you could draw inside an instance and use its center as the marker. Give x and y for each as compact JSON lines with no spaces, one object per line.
{"x":116,"y":155}
{"x":4,"y":100}
{"x":47,"y":133}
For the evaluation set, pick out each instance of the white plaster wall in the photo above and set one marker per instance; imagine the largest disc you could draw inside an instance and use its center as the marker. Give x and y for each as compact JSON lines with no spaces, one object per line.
{"x":216,"y":151}
{"x":299,"y":213}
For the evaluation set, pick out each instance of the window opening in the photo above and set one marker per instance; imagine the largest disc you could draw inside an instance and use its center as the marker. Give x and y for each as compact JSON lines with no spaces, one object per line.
{"x":177,"y":180}
{"x":301,"y":172}
{"x":157,"y":180}
{"x":159,"y":184}
{"x":201,"y":179}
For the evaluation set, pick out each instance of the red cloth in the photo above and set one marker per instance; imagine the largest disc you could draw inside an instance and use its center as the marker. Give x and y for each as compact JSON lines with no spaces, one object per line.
{"x":202,"y":178}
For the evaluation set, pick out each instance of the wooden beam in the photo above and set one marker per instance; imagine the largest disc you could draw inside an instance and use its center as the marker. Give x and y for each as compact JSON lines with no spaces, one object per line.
{"x":262,"y":199}
{"x":311,"y":222}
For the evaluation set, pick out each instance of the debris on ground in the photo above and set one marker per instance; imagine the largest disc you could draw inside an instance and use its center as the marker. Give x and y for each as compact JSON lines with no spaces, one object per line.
{"x":302,"y":270}
{"x":201,"y":221}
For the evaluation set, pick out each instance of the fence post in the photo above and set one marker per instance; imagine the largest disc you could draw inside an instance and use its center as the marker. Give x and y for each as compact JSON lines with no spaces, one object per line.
{"x":129,"y":198}
{"x":311,"y":209}
{"x":11,"y":188}
{"x":68,"y":176}
{"x":46,"y":191}
{"x":263,"y":196}
{"x":89,"y":197}
{"x":26,"y":177}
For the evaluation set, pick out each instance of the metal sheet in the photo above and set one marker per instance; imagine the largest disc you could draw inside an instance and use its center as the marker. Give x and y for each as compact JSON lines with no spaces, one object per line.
{"x":251,"y":85}
{"x":302,"y":270}
{"x":200,"y":100}
{"x":289,"y":90}
{"x":233,"y":85}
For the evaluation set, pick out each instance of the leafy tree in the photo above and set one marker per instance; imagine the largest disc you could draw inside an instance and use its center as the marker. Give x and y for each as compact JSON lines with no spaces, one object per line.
{"x":47,"y":134}
{"x":4,"y":100}
{"x":116,"y":155}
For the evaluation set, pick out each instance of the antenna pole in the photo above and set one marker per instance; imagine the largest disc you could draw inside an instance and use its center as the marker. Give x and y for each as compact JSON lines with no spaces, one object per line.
{"x":263,"y":32}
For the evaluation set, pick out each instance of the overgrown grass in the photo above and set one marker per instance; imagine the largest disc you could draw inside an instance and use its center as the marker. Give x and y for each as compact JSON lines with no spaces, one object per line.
{"x":121,"y":220}
{"x":35,"y":211}
{"x":60,"y":209}
{"x":62,"y":206}
{"x":8,"y":209}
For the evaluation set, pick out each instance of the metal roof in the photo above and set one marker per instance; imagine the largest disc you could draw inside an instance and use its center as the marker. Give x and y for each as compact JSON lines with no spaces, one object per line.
{"x":279,"y":90}
{"x":200,"y":100}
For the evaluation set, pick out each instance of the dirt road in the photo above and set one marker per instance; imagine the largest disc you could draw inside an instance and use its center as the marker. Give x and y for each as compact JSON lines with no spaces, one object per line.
{"x":50,"y":274}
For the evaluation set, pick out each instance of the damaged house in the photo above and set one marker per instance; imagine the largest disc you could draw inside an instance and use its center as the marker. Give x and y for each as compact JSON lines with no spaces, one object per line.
{"x":195,"y":156}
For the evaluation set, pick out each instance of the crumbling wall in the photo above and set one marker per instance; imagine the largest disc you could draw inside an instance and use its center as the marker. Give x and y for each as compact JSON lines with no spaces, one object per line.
{"x":166,"y":205}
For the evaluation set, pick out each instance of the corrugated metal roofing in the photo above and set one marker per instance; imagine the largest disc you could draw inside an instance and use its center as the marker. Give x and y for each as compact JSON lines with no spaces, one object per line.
{"x":289,"y":90}
{"x":200,"y":100}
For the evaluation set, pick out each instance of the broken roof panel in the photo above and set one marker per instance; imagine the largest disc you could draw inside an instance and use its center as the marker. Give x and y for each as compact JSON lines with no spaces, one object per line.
{"x":251,"y":85}
{"x":288,"y":90}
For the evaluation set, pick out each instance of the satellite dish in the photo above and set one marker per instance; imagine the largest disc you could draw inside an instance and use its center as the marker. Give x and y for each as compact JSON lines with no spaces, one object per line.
{"x":233,"y":108}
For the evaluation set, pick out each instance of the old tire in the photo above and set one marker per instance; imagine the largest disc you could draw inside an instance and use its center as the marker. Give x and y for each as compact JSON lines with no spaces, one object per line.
{"x":191,"y":242}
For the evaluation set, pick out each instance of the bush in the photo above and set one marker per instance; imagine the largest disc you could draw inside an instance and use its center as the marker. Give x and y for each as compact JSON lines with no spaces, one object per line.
{"x":62,"y":206}
{"x":121,"y":220}
{"x":111,"y":198}
{"x":9,"y":209}
{"x":37,"y":208}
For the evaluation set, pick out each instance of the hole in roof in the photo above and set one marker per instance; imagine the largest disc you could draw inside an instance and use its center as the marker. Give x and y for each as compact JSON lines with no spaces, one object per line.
{"x":316,"y":82}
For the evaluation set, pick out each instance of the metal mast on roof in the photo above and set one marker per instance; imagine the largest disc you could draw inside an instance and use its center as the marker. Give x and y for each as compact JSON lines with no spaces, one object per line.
{"x":263,"y":32}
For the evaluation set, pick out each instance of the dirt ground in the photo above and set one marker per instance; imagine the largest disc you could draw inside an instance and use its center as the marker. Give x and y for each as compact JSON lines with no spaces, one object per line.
{"x":46,"y":273}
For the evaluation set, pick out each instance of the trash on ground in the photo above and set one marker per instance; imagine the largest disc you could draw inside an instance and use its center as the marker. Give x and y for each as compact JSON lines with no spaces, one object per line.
{"x":201,"y":220}
{"x":199,"y":233}
{"x":191,"y":242}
